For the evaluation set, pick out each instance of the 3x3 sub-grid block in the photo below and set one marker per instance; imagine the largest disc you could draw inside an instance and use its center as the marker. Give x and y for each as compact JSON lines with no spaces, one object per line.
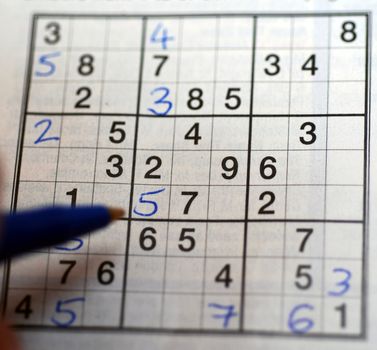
{"x":223,"y":270}
{"x":26,"y":291}
{"x":145,"y":274}
{"x":345,"y":179}
{"x":264,"y":279}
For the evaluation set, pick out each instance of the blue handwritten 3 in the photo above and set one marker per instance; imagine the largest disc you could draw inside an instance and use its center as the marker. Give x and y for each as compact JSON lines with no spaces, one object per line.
{"x":344,"y":284}
{"x":162,"y":101}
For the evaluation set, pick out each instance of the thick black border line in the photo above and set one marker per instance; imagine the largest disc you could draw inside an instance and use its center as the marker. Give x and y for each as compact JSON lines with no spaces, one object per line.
{"x":195,"y":332}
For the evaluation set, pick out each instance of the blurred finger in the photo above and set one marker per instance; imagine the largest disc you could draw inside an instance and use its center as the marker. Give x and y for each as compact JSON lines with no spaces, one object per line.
{"x":8,"y":339}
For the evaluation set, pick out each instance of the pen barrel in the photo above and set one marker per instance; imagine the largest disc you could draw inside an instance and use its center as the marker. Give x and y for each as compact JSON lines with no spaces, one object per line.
{"x":35,"y":229}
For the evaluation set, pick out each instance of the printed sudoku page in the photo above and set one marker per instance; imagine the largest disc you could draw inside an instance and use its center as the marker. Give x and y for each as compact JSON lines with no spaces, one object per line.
{"x":237,"y":146}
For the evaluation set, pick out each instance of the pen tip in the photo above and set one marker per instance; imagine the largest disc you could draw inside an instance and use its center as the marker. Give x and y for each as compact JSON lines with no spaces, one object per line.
{"x":116,"y":213}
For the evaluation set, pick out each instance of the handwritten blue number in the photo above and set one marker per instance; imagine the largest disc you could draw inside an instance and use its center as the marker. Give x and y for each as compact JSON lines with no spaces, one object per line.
{"x":154,"y":204}
{"x":300,"y":325}
{"x":226,"y":315}
{"x":71,"y":315}
{"x":69,"y":249}
{"x":44,"y":61}
{"x":163,"y":38}
{"x":344,"y":284}
{"x":161,"y":101}
{"x":42,"y":137}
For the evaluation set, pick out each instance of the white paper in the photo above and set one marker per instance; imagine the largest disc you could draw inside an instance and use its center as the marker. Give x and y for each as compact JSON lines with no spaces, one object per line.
{"x":249,"y":211}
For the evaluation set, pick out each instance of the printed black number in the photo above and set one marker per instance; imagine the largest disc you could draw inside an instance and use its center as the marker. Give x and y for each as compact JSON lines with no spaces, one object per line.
{"x":116,"y":128}
{"x":24,"y":307}
{"x":195,"y":101}
{"x":271,"y":199}
{"x":349,"y":32}
{"x":193,"y":134}
{"x":267,"y":170}
{"x":303,"y":278}
{"x":53,"y":33}
{"x":342,"y":308}
{"x":73,"y":194}
{"x":117,"y":164}
{"x":105,"y":274}
{"x":274,"y":68}
{"x":309,"y":129}
{"x":186,"y":237}
{"x":230,"y":166}
{"x":158,"y":162}
{"x":163,"y":59}
{"x":224,"y":276}
{"x":70,"y":265}
{"x":232,"y":96}
{"x":309,"y":65}
{"x":307,"y":233}
{"x":147,"y":240}
{"x":86,"y":66}
{"x":192,"y":195}
{"x":86,"y":92}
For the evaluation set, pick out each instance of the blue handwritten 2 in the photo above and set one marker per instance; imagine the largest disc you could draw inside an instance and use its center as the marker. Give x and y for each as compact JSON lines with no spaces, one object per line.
{"x":44,"y":60}
{"x":344,"y":283}
{"x":227,"y":313}
{"x":163,"y":38}
{"x":161,"y":101}
{"x":60,"y":308}
{"x":42,"y":137}
{"x":154,"y":204}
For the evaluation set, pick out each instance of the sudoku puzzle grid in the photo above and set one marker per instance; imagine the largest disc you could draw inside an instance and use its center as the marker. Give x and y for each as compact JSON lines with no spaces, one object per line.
{"x":237,"y":144}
